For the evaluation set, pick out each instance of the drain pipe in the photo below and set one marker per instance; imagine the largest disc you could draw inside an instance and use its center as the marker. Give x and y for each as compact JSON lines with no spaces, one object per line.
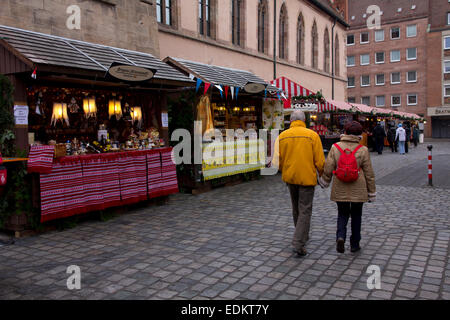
{"x":275,"y":40}
{"x":333,"y":52}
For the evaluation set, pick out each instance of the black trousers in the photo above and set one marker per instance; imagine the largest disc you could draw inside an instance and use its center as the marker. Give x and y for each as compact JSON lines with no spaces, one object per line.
{"x":345,"y":211}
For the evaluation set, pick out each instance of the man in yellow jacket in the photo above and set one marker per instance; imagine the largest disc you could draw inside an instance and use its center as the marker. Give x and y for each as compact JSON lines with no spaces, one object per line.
{"x":299,"y":156}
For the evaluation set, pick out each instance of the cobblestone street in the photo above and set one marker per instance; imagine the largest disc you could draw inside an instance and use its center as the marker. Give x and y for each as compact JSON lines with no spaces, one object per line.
{"x":235,"y":243}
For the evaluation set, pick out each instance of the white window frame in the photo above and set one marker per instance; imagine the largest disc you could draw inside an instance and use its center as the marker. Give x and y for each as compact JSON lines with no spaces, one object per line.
{"x":445,"y":87}
{"x":411,"y":25}
{"x":376,"y":79}
{"x":375,"y":35}
{"x":354,"y":40}
{"x":448,"y":18}
{"x":400,"y":78}
{"x":354,"y":82}
{"x":409,"y":59}
{"x":365,"y":85}
{"x":407,"y":77}
{"x":446,"y":61}
{"x":399,"y":33}
{"x":407,"y":99}
{"x":360,"y":37}
{"x":400,"y":56}
{"x":384,"y":57}
{"x":360,"y":59}
{"x":354,"y":63}
{"x":362,"y":100}
{"x":445,"y":38}
{"x":380,"y":105}
{"x":392,"y":100}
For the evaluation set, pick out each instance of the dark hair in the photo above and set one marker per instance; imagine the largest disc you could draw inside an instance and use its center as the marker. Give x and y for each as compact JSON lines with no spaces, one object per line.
{"x":354,"y":128}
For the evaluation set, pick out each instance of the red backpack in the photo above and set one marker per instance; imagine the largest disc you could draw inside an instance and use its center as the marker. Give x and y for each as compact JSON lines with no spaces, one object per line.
{"x":347,"y":168}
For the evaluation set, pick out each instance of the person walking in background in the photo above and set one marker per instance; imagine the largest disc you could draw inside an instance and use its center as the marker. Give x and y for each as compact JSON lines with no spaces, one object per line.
{"x":416,"y":134}
{"x":400,"y":135}
{"x":299,"y":156}
{"x":391,"y":139}
{"x":378,"y":135}
{"x":353,"y":183}
{"x":408,"y":135}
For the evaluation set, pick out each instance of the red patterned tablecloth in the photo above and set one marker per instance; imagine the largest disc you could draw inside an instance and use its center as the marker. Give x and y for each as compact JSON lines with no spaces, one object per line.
{"x":80,"y":184}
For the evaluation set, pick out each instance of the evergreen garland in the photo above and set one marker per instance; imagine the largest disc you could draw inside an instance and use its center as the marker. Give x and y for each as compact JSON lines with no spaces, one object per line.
{"x":7,"y":137}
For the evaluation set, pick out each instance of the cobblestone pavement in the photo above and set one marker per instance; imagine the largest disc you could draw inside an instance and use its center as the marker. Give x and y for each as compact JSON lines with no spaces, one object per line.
{"x":234,"y":243}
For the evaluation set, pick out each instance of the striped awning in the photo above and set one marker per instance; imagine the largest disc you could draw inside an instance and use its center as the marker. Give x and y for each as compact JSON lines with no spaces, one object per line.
{"x":293,"y":89}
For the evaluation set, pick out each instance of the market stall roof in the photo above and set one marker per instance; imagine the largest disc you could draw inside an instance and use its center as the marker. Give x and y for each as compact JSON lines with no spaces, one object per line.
{"x":292,"y":89}
{"x":217,"y":75}
{"x":42,"y":49}
{"x":374,"y":111}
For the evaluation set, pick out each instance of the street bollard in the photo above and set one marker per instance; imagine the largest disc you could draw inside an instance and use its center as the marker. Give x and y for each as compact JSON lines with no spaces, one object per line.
{"x":430,"y":175}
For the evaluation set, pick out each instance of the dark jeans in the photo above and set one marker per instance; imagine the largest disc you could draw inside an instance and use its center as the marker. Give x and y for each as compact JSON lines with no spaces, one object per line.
{"x":345,"y":211}
{"x":406,"y":146}
{"x":379,"y":145}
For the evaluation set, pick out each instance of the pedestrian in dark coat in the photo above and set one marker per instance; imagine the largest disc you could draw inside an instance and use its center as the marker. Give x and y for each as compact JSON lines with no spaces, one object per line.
{"x":391,"y":139}
{"x":415,"y":136}
{"x":378,"y":135}
{"x":408,"y":135}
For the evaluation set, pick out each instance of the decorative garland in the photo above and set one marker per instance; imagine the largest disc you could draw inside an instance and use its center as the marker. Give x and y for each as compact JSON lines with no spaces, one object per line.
{"x":314,"y":98}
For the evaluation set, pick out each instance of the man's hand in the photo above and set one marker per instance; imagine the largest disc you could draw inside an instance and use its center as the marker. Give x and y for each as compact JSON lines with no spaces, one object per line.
{"x":322,"y":183}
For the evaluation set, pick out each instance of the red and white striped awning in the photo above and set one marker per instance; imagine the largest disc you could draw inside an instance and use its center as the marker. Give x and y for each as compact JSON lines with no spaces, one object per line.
{"x":293,"y":89}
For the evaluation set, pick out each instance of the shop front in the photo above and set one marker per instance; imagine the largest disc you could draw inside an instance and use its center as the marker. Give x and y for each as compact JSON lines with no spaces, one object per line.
{"x":93,"y":121}
{"x":228,"y":103}
{"x":440,"y":122}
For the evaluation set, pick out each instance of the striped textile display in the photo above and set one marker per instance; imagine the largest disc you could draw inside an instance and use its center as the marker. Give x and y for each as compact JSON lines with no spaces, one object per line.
{"x":129,"y":171}
{"x":169,"y":181}
{"x":154,"y":175}
{"x":92,"y":167}
{"x":40,"y":159}
{"x":110,"y":180}
{"x":139,"y":159}
{"x":62,"y":190}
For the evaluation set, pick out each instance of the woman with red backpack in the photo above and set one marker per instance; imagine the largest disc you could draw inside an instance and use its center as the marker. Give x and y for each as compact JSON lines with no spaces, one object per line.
{"x":353,"y":183}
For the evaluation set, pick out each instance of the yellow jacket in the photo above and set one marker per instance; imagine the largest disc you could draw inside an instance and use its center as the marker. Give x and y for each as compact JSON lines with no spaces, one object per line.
{"x":299,"y":155}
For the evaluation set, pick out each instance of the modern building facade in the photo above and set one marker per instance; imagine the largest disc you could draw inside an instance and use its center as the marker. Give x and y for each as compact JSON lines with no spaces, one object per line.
{"x":240,"y":34}
{"x":438,"y":69}
{"x":387,"y":63}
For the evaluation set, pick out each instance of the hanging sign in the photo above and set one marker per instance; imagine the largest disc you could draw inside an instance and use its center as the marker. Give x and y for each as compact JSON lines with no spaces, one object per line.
{"x":130,"y":73}
{"x":21,"y":114}
{"x":165,"y":120}
{"x":254,"y":87}
{"x":307,"y":107}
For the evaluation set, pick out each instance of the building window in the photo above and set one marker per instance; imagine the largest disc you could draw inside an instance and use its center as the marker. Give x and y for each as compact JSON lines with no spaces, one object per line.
{"x":351,"y":100}
{"x":350,"y":39}
{"x":237,"y":14}
{"x":411,"y":76}
{"x":411,"y":31}
{"x":204,"y":15}
{"x":364,"y":59}
{"x":350,"y":61}
{"x":300,"y":40}
{"x":447,"y":90}
{"x":396,"y":100}
{"x":326,"y":54}
{"x":314,"y":47}
{"x":412,"y":99}
{"x":447,"y":43}
{"x":364,"y":37}
{"x":164,"y":12}
{"x":365,"y":80}
{"x":380,"y":101}
{"x":337,"y":61}
{"x":447,"y":66}
{"x":263,"y":27}
{"x":411,"y":54}
{"x":395,"y":55}
{"x":395,"y":33}
{"x":351,"y":82}
{"x":448,"y":18}
{"x":379,"y":35}
{"x":395,"y":78}
{"x":365,"y":100}
{"x":379,"y":79}
{"x":379,"y":57}
{"x":283,"y":41}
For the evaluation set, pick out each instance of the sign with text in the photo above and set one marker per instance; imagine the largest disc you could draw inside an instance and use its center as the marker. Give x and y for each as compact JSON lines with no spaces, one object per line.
{"x":439,"y":111}
{"x":130,"y":73}
{"x":306,"y":107}
{"x":21,"y":114}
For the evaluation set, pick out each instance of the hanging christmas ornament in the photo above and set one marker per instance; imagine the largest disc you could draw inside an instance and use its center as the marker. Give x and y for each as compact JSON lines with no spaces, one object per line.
{"x":73,"y":106}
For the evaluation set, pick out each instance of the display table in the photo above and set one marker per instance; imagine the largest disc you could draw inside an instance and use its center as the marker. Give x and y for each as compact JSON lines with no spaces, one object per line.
{"x":80,"y":184}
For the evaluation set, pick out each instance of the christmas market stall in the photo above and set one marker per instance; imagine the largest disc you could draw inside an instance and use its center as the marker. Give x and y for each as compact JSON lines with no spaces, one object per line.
{"x":230,"y":103}
{"x":93,"y":120}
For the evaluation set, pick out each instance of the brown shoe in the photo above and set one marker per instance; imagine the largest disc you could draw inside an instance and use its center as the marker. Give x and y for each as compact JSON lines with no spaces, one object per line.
{"x":340,"y":245}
